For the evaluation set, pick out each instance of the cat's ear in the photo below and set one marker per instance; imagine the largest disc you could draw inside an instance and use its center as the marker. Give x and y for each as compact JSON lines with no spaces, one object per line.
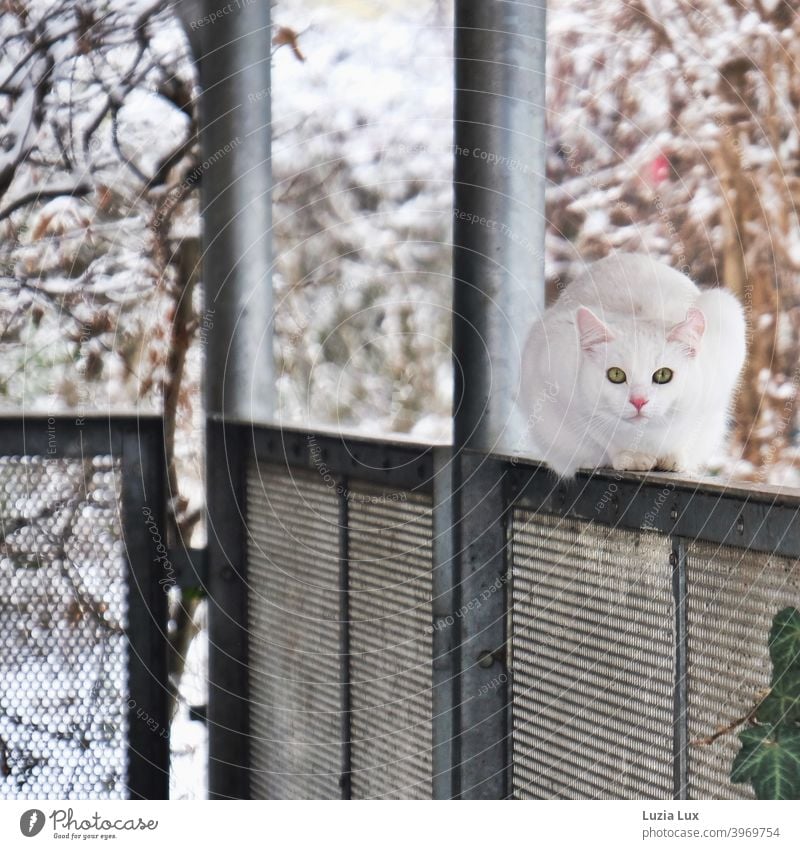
{"x":689,"y":332}
{"x":591,"y":330}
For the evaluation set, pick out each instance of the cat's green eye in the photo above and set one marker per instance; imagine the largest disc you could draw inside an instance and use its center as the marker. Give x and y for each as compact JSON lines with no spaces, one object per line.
{"x":662,"y":375}
{"x":616,"y":375}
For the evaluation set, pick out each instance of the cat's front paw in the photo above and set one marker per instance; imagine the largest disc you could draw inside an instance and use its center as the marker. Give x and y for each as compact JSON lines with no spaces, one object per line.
{"x":669,"y":463}
{"x":673,"y":463}
{"x":633,"y":461}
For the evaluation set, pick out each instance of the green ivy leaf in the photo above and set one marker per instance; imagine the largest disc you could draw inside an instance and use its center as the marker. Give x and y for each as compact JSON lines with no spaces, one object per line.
{"x":191,"y":593}
{"x":784,"y":642}
{"x":783,"y":702}
{"x":770,"y":760}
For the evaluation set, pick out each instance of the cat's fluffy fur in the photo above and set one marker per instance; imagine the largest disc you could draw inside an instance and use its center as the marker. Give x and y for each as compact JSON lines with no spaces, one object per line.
{"x":636,"y":314}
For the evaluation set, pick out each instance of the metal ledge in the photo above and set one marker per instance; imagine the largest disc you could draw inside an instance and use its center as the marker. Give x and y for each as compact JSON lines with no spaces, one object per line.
{"x":763,"y":519}
{"x":748,"y":516}
{"x":73,"y":434}
{"x":399,"y":464}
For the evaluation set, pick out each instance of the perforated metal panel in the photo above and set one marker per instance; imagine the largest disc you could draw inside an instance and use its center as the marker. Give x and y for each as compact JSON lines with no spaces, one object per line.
{"x":390,"y":555}
{"x":340,"y":618}
{"x":733,"y":596}
{"x":592,"y":659}
{"x":294,"y":655}
{"x":64,"y":697}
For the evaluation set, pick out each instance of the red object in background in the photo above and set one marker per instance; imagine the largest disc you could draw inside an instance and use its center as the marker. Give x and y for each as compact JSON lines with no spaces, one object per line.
{"x":659,"y":169}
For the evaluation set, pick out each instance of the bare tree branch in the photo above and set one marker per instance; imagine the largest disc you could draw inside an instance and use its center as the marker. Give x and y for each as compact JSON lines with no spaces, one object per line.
{"x":44,"y":194}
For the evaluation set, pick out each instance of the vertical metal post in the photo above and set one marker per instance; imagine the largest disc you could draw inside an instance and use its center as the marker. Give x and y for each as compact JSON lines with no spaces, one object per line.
{"x":143,"y":486}
{"x":345,"y":779}
{"x":498,"y":290}
{"x":228,"y":671}
{"x":680,"y":729}
{"x":445,"y":696}
{"x":499,"y":211}
{"x":236,"y":181}
{"x":479,"y":536}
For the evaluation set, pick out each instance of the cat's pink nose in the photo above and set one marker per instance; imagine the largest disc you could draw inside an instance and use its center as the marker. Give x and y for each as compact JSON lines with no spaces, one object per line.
{"x":638,"y":403}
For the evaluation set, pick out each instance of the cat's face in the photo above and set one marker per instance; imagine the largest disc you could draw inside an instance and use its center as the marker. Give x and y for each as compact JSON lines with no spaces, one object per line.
{"x":635,"y":371}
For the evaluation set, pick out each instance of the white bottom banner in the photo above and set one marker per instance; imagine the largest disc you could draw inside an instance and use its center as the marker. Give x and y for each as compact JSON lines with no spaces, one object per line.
{"x":367,"y":824}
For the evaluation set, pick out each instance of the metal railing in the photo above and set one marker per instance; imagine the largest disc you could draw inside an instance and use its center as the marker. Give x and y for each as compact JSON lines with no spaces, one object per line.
{"x":384,"y":631}
{"x":83,"y":676}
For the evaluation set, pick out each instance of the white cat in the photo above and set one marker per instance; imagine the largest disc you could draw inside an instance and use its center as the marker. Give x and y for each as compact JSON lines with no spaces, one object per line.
{"x":633,"y":367}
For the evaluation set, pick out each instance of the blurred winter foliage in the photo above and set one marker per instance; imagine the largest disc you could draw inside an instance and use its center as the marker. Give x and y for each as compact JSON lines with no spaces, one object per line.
{"x":85,"y":96}
{"x":363,"y":167}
